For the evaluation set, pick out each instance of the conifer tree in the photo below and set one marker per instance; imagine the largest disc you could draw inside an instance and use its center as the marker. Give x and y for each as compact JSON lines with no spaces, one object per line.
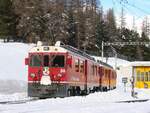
{"x":8,"y":19}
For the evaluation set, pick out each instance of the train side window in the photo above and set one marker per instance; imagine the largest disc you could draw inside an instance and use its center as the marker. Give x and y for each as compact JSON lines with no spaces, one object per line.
{"x":82,"y":66}
{"x":46,"y":60}
{"x":112,"y":74}
{"x":105,"y":73}
{"x":35,"y":60}
{"x":77,"y":64}
{"x":100,"y":71}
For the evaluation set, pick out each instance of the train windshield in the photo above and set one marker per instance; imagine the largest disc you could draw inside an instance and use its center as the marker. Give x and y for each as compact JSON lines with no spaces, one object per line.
{"x":47,"y":60}
{"x":57,"y":60}
{"x":35,"y":60}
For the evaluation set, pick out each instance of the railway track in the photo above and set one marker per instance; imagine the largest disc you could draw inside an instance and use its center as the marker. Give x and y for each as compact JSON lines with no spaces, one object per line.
{"x":18,"y":101}
{"x":133,"y":101}
{"x":35,"y":99}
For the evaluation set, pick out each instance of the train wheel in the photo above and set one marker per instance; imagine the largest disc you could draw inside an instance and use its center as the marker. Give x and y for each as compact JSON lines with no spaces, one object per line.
{"x":84,"y":92}
{"x":106,"y":89}
{"x":78,"y":91}
{"x":103,"y":89}
{"x":68,"y":93}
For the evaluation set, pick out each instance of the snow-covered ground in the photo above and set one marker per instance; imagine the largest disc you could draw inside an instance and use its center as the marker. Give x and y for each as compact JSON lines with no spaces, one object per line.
{"x":13,"y":77}
{"x":106,"y":102}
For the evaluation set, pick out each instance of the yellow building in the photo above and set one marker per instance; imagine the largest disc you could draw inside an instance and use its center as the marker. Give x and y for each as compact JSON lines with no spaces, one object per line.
{"x":142,"y":76}
{"x":138,"y":70}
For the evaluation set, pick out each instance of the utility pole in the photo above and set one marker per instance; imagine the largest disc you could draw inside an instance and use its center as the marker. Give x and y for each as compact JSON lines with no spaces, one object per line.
{"x":102,"y":53}
{"x":115,"y":52}
{"x":122,"y":18}
{"x":133,"y":24}
{"x":132,"y":83}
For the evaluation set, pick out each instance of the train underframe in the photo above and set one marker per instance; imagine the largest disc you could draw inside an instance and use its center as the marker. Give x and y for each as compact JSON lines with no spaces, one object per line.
{"x":61,"y":90}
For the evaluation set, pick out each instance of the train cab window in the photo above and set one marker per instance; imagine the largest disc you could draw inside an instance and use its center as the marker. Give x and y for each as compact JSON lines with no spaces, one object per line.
{"x":77,"y":64}
{"x":35,"y":60}
{"x":82,"y":66}
{"x":46,"y":60}
{"x":57,"y":61}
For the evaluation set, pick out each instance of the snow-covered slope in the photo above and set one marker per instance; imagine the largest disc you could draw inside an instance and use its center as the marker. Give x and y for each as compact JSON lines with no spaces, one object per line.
{"x":12,"y":61}
{"x":13,"y":72}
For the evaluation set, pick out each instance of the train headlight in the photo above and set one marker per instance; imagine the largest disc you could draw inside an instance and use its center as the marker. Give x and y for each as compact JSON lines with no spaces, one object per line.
{"x":32,"y":75}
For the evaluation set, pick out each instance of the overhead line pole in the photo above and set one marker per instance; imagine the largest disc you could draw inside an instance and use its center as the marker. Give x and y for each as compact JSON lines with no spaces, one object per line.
{"x":102,"y":54}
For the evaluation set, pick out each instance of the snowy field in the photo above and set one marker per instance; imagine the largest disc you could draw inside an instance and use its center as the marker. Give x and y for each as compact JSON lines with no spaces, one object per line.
{"x":13,"y":78}
{"x":106,"y":102}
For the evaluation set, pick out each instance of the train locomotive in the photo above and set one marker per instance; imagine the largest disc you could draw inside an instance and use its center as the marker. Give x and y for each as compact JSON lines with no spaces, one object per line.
{"x":63,"y":71}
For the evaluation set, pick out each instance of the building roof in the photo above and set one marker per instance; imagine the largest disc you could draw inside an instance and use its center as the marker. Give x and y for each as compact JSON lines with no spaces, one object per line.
{"x":140,"y":63}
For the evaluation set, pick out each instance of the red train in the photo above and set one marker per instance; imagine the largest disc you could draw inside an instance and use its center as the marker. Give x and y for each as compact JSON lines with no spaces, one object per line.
{"x":61,"y":71}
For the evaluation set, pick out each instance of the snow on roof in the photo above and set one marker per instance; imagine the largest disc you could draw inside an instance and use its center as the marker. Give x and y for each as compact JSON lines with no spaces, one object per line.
{"x":113,"y":61}
{"x":140,"y":63}
{"x":137,"y":63}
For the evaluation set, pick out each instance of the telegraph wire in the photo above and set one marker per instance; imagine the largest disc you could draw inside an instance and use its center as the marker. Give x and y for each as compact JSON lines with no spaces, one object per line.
{"x":134,"y":6}
{"x":127,"y":8}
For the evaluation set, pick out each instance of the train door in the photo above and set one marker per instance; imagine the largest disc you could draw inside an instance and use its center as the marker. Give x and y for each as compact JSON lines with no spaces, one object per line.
{"x":86,"y":74}
{"x":109,"y":78}
{"x":100,"y":77}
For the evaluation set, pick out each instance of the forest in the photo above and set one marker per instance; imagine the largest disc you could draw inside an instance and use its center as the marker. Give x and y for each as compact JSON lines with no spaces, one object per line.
{"x":80,"y":23}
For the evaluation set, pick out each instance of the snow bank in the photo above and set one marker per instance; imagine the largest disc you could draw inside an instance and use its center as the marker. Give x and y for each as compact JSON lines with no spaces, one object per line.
{"x":12,"y":86}
{"x":13,"y":97}
{"x":13,"y":72}
{"x":12,"y":61}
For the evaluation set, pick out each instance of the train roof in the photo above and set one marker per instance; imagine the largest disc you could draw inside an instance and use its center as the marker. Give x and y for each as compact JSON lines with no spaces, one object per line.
{"x":54,"y":49}
{"x":64,"y":49}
